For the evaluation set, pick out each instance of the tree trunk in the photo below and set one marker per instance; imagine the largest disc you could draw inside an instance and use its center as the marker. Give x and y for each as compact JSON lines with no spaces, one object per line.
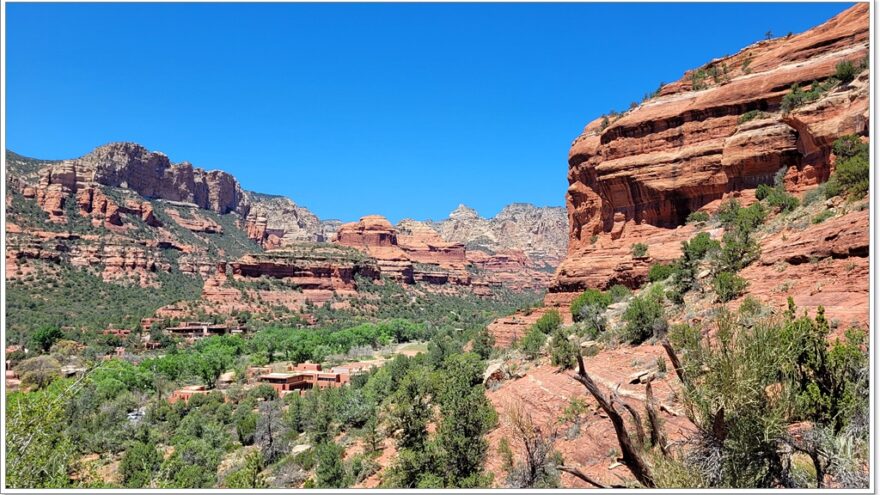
{"x":631,"y":456}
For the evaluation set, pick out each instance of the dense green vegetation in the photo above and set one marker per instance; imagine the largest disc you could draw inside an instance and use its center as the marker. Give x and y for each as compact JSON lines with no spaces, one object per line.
{"x":758,"y":377}
{"x":852,"y":169}
{"x":63,"y":296}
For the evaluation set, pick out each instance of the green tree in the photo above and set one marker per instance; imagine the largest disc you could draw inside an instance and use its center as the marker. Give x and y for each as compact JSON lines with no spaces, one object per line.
{"x":140,"y":464}
{"x":45,"y":336}
{"x":249,"y":475}
{"x":39,"y":452}
{"x":410,"y":410}
{"x":466,"y":417}
{"x":329,"y":471}
{"x":483,"y":343}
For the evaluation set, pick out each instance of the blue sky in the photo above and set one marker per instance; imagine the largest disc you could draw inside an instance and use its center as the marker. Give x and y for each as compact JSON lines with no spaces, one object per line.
{"x":404,"y":110}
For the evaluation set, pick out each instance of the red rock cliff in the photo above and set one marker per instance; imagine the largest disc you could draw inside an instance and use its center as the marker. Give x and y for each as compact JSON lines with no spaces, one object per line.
{"x":638,"y":177}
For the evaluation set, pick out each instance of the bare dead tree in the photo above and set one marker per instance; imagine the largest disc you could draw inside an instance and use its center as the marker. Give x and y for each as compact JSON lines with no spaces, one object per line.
{"x":636,"y":419}
{"x":632,"y":459}
{"x":676,"y":363}
{"x":577,"y":473}
{"x":657,"y":435}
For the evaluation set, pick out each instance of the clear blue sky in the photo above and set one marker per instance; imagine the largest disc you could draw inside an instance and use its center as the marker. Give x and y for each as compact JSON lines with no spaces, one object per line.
{"x":403,"y":110}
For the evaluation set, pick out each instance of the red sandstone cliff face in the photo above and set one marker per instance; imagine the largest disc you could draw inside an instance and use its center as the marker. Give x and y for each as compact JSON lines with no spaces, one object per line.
{"x":415,"y":252}
{"x":637,"y":179}
{"x":150,"y":174}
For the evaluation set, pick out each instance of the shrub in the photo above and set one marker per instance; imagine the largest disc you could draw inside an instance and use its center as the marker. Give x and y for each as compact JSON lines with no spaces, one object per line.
{"x":728,"y":286}
{"x":659,"y":271}
{"x":644,"y":317}
{"x":845,"y":71}
{"x":619,"y":292}
{"x":849,"y":146}
{"x":697,"y":217}
{"x":698,"y":80}
{"x":590,"y":297}
{"x":821,"y":217}
{"x":852,"y":169}
{"x":727,"y":212}
{"x":751,"y":115}
{"x":699,"y":246}
{"x":532,"y":343}
{"x":798,"y":96}
{"x":43,"y":338}
{"x":563,"y":352}
{"x":548,"y":322}
{"x":779,"y":199}
{"x":639,"y":250}
{"x":763,"y":191}
{"x":738,"y":250}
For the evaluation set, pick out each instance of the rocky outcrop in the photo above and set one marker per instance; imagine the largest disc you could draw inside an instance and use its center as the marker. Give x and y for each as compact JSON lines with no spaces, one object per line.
{"x":375,"y":236}
{"x":822,"y":265}
{"x":635,"y":179}
{"x":538,"y":232}
{"x":276,"y":221}
{"x":115,"y":258}
{"x":326,"y":266}
{"x":194,"y":222}
{"x":150,"y":174}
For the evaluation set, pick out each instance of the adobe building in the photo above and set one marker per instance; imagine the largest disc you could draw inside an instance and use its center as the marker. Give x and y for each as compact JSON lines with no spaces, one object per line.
{"x":186,"y":393}
{"x":305,"y":376}
{"x":194,"y":330}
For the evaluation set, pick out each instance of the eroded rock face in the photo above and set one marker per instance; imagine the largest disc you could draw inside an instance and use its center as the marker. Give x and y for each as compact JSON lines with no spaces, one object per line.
{"x":538,"y":232}
{"x":637,"y":178}
{"x":150,"y":174}
{"x":276,"y":221}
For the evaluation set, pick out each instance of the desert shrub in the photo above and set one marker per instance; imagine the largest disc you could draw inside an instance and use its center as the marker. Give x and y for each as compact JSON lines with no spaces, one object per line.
{"x":140,"y":464}
{"x":728,"y":286}
{"x":779,"y":199}
{"x":563,"y":352}
{"x":738,"y":250}
{"x":763,"y":191}
{"x":822,"y":216}
{"x":639,"y":250}
{"x":38,"y":371}
{"x":727,"y":212}
{"x":751,"y":115}
{"x":698,"y":80}
{"x":590,"y":297}
{"x":749,"y":219}
{"x":697,"y":217}
{"x":660,"y":271}
{"x":749,"y":383}
{"x":815,"y":194}
{"x":533,"y":342}
{"x":548,"y":322}
{"x":851,"y":179}
{"x":797,"y":96}
{"x":684,"y":270}
{"x":852,"y":169}
{"x":619,"y":292}
{"x":644,"y":317}
{"x":845,"y":71}
{"x":589,"y":309}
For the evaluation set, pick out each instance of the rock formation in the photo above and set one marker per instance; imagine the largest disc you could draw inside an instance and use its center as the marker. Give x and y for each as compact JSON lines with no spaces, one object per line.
{"x":538,"y":232}
{"x":638,"y":177}
{"x":150,"y":174}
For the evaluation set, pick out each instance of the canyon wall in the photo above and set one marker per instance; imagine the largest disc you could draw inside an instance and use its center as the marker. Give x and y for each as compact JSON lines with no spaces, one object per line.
{"x":636,"y":177}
